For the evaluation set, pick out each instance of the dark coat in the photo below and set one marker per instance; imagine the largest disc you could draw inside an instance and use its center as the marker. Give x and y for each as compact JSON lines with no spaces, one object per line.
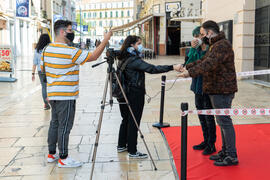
{"x":135,"y":72}
{"x":217,"y":67}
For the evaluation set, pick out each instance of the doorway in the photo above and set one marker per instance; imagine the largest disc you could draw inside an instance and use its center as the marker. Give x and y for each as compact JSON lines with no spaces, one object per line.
{"x":173,"y":40}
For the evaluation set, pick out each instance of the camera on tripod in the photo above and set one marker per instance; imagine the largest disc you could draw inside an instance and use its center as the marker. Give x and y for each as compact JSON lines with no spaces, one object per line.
{"x":112,"y":54}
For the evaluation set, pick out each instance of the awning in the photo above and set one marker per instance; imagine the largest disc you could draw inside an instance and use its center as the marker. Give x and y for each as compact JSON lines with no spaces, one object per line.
{"x":3,"y":22}
{"x":132,"y":24}
{"x":44,"y":25}
{"x":188,"y":19}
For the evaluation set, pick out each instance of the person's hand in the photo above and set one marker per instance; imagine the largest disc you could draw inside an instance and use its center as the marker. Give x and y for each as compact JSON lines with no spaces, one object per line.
{"x":108,"y":35}
{"x":194,"y":43}
{"x":184,"y":74}
{"x":33,"y":77}
{"x":178,"y":67}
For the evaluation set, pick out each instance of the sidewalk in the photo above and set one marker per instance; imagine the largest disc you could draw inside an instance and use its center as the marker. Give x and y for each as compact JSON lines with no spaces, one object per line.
{"x":24,"y":127}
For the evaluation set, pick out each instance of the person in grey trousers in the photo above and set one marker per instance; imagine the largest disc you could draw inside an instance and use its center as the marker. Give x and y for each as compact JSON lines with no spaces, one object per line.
{"x":219,"y":81}
{"x":43,"y":41}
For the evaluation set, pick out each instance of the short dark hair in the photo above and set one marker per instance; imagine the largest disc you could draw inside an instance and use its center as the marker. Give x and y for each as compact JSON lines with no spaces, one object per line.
{"x":61,"y":24}
{"x":211,"y":25}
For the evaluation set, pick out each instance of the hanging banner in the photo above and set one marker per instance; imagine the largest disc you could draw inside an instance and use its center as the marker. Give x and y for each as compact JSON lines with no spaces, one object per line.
{"x":6,"y":59}
{"x":85,"y":28}
{"x":22,"y":8}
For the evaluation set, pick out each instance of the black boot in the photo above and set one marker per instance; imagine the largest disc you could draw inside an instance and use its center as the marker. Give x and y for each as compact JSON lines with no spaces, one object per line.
{"x":210,"y":149}
{"x":201,"y":146}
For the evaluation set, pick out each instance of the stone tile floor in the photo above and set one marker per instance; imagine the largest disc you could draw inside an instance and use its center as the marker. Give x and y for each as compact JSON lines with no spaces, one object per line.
{"x":24,"y":125}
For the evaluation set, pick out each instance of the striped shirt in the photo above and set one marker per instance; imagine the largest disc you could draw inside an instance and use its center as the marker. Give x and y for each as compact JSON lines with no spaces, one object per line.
{"x":62,"y":70}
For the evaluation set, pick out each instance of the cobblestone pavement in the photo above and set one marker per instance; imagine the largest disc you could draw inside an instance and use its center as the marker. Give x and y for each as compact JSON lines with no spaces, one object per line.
{"x":24,"y":126}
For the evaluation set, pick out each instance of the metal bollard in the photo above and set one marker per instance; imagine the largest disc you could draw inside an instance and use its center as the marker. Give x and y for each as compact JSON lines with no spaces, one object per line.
{"x":184,"y":107}
{"x":161,"y":124}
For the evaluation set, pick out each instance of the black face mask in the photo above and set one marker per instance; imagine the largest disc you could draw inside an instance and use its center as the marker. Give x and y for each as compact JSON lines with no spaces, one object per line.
{"x":70,"y":36}
{"x":205,"y":40}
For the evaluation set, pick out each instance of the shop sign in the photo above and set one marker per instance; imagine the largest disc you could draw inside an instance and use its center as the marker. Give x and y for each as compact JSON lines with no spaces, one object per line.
{"x":175,"y":10}
{"x":6,"y":59}
{"x":173,"y":6}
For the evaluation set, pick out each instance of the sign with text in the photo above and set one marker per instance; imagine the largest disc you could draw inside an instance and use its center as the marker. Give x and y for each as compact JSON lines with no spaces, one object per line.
{"x":6,"y":59}
{"x":22,"y":8}
{"x":173,"y":6}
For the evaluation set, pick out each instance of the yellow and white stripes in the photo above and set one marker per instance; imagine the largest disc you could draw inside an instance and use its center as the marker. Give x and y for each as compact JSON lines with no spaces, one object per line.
{"x":62,"y":70}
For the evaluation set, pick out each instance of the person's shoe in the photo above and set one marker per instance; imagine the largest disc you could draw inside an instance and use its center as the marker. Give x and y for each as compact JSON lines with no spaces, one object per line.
{"x":226,"y":161}
{"x":52,"y":158}
{"x":121,"y":149}
{"x":68,"y":163}
{"x":47,"y":107}
{"x":201,"y":146}
{"x":210,"y":149}
{"x":138,"y":155}
{"x":219,"y":155}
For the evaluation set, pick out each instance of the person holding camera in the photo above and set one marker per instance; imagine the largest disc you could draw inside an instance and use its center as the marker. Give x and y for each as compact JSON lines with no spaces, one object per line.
{"x":202,"y":100}
{"x":43,"y":41}
{"x":135,"y":91}
{"x":61,"y":64}
{"x":219,"y":81}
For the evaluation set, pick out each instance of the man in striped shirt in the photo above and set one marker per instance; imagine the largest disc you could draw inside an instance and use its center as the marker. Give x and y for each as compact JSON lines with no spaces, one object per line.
{"x":61,"y":64}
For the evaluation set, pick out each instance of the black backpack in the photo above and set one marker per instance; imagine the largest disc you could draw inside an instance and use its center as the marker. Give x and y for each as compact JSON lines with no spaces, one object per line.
{"x":120,"y":73}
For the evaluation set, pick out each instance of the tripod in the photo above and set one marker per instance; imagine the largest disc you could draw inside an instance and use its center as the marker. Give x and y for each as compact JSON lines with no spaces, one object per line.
{"x":110,"y":73}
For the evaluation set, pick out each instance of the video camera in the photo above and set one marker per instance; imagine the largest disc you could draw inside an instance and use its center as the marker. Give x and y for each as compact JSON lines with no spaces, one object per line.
{"x":112,"y":54}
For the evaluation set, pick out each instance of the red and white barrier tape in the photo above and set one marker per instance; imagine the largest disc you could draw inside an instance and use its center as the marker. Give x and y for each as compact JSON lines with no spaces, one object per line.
{"x":239,"y":74}
{"x":231,"y":112}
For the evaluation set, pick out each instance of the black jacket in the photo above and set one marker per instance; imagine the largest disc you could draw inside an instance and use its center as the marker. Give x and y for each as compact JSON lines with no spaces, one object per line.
{"x":135,"y":69}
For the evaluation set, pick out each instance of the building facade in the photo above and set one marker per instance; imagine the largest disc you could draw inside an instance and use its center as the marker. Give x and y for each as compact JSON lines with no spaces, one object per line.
{"x":237,"y":20}
{"x":162,"y":33}
{"x":23,"y":33}
{"x":100,"y":15}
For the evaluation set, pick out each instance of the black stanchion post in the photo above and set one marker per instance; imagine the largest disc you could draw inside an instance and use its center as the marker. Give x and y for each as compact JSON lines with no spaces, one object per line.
{"x":161,"y":124}
{"x":184,"y":107}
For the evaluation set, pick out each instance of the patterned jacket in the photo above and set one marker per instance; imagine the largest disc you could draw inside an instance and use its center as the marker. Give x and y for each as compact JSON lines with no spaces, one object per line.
{"x":216,"y":67}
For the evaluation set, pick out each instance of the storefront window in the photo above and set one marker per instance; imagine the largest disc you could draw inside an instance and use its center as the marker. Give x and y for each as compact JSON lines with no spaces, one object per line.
{"x":262,"y":40}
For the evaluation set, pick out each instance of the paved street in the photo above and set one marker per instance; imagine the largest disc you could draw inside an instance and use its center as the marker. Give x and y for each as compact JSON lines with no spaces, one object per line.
{"x":24,"y":126}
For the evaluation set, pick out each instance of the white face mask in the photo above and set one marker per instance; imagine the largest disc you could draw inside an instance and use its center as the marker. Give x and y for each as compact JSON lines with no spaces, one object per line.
{"x":199,"y":42}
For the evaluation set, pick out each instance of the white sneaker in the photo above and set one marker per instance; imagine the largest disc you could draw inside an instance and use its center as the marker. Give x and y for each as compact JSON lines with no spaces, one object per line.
{"x":52,"y":157}
{"x":68,"y":163}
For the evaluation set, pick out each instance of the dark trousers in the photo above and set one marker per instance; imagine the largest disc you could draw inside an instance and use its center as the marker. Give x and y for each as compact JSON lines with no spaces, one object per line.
{"x":63,"y":113}
{"x":202,"y":101}
{"x":225,"y":122}
{"x":128,"y":131}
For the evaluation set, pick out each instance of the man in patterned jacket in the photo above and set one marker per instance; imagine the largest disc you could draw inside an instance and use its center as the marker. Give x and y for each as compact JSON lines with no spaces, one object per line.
{"x":219,"y":81}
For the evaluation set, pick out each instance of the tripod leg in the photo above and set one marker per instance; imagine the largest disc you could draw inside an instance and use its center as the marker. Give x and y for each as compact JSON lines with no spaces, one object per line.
{"x":141,"y":135}
{"x":111,"y":98}
{"x":99,"y":124}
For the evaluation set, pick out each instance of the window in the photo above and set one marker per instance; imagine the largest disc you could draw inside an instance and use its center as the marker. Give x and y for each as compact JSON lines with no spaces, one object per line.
{"x":128,"y":14}
{"x":106,"y":14}
{"x":84,"y":15}
{"x":100,"y":23}
{"x":122,"y":13}
{"x":100,"y":14}
{"x":89,"y":15}
{"x":111,"y":23}
{"x":111,"y":14}
{"x":116,"y":13}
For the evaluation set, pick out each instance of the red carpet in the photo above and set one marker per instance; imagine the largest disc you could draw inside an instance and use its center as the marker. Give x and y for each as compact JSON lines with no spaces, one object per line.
{"x":253,"y":145}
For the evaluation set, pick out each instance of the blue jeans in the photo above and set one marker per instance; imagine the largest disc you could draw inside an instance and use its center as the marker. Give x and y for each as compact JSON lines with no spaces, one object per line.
{"x":44,"y":87}
{"x":223,"y":101}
